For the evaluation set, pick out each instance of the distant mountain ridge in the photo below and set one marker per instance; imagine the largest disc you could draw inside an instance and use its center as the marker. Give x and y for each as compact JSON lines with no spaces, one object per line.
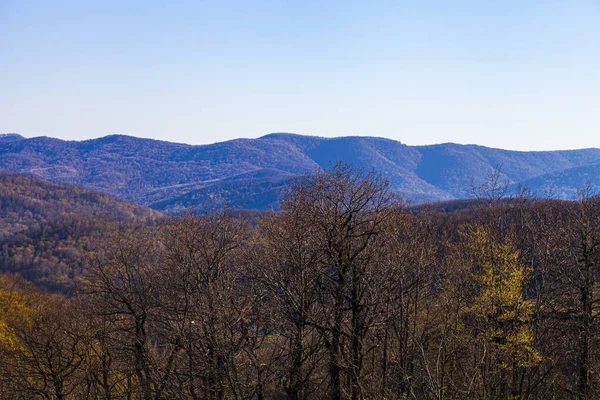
{"x":252,"y":173}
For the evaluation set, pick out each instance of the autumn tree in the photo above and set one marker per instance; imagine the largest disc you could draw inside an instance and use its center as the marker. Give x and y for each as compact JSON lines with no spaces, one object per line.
{"x":501,"y":313}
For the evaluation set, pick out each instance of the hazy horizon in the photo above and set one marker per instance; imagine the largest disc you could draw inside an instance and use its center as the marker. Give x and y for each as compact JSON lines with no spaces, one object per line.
{"x":512,"y":75}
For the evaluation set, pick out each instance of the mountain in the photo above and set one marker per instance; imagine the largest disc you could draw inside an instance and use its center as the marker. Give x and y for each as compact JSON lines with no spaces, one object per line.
{"x":252,"y":173}
{"x":47,"y":230}
{"x":10,"y":137}
{"x":565,"y":184}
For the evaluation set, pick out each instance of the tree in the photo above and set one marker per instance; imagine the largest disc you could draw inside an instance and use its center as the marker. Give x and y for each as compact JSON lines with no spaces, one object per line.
{"x":213,"y":308}
{"x":501,"y":313}
{"x":411,"y":270}
{"x":350,"y":208}
{"x":125,"y":287}
{"x":287,"y":262}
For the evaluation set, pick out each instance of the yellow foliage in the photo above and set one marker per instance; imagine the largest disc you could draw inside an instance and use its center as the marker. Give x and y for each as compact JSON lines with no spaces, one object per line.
{"x":500,"y":303}
{"x":14,"y":309}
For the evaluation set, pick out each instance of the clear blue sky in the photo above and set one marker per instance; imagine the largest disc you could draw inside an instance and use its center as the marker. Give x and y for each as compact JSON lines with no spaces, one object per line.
{"x":522,"y":74}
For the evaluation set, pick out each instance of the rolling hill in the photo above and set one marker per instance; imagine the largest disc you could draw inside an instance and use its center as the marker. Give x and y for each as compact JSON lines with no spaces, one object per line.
{"x":252,"y":173}
{"x":47,"y":229}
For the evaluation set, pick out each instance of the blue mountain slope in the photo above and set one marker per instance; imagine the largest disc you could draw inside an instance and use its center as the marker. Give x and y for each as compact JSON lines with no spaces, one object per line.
{"x":451,"y":167}
{"x":252,"y":173}
{"x":566,"y":183}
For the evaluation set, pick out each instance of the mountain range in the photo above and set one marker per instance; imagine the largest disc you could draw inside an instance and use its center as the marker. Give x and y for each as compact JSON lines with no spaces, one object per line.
{"x":252,"y":173}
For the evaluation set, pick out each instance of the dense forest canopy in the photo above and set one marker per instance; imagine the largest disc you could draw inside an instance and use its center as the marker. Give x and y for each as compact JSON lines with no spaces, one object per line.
{"x":344,"y":293}
{"x":47,"y":230}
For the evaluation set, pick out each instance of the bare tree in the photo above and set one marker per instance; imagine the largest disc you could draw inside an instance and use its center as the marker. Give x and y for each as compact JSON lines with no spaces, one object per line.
{"x":213,"y":307}
{"x":125,"y":287}
{"x":350,"y":208}
{"x":287,"y":263}
{"x":46,"y":359}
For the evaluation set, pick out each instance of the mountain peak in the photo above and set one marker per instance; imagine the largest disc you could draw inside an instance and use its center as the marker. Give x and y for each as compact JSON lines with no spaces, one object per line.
{"x":288,"y":135}
{"x":115,"y":137}
{"x":10,"y":137}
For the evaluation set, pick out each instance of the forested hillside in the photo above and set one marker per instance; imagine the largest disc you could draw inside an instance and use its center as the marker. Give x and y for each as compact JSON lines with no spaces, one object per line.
{"x":253,"y":173}
{"x":47,"y":230}
{"x":344,"y":293}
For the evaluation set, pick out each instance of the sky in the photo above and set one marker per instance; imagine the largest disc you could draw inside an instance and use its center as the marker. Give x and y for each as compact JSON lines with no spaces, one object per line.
{"x":522,"y":74}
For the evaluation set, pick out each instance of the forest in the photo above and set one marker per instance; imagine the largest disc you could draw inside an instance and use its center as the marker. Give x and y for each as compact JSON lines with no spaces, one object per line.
{"x":344,"y":292}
